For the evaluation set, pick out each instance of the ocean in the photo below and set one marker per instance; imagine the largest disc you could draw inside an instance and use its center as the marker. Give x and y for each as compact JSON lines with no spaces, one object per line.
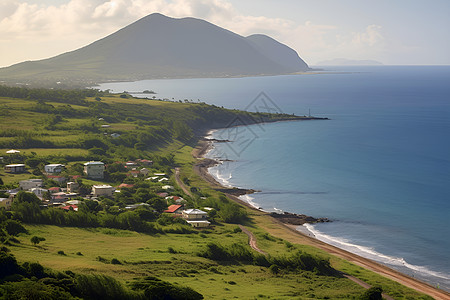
{"x":379,"y":168}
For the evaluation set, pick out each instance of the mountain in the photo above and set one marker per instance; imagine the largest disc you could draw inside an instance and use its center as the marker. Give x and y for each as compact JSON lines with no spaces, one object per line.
{"x":157,"y":46}
{"x":276,"y":51}
{"x":349,"y":62}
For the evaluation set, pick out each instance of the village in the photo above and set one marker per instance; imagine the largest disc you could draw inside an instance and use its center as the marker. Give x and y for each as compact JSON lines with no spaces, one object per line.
{"x":68,"y":191}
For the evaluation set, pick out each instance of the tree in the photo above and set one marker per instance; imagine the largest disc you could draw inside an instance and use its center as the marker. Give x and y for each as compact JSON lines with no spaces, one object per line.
{"x":374,"y":293}
{"x":13,"y":227}
{"x":36,"y":240}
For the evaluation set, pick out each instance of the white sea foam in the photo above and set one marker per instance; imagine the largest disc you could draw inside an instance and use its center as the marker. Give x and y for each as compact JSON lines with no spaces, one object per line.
{"x":370,"y":253}
{"x":222,"y":178}
{"x":249,"y":200}
{"x":210,"y":134}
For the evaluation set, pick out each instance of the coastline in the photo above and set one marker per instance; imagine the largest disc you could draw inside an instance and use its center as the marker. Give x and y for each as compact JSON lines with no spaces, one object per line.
{"x":301,"y":234}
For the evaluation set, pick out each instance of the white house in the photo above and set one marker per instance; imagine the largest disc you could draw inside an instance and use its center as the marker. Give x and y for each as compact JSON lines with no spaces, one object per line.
{"x":72,"y":187}
{"x":53,"y":168}
{"x":39,"y":192}
{"x":15,"y":168}
{"x":30,"y":183}
{"x":5,"y":202}
{"x":196,"y":217}
{"x":102,"y":190}
{"x":94,"y":169}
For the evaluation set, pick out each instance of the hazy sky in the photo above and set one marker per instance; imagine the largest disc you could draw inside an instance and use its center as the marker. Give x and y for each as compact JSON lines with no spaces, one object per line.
{"x":390,"y":31}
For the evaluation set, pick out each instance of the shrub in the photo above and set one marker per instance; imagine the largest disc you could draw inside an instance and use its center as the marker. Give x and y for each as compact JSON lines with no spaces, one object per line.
{"x":274,"y":269}
{"x":115,"y":261}
{"x":155,"y":288}
{"x":36,"y":240}
{"x":13,"y":227}
{"x":102,"y":287}
{"x":373,"y":293}
{"x":60,"y":252}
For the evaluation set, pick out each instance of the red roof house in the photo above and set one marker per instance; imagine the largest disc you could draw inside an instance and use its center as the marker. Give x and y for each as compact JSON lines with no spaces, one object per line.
{"x":125,"y":185}
{"x":174,"y":209}
{"x":69,"y":207}
{"x":54,"y":189}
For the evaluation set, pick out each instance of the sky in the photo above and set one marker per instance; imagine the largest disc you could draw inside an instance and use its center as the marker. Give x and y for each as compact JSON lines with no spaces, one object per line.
{"x":394,"y":32}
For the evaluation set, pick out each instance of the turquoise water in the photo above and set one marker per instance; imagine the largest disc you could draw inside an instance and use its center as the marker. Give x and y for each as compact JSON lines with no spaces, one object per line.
{"x":380,"y":168}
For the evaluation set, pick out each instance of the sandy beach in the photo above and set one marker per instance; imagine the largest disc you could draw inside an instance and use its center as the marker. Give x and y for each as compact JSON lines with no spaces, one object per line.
{"x":289,"y":232}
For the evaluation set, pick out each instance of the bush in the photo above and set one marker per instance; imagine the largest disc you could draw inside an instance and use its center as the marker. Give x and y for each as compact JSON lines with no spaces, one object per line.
{"x":115,"y":261}
{"x":13,"y":227}
{"x":155,"y":288}
{"x":60,"y":252}
{"x":274,"y":269}
{"x":102,"y":287}
{"x":373,"y":293}
{"x":36,"y":240}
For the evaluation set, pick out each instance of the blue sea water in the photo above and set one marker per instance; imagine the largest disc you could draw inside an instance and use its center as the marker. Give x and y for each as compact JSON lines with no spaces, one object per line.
{"x":380,"y":168}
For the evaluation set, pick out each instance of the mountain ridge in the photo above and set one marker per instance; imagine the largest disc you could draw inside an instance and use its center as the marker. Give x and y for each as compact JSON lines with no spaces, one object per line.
{"x":157,"y":46}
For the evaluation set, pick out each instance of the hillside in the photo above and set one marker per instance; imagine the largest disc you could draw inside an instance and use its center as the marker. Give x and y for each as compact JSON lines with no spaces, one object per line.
{"x":157,"y":46}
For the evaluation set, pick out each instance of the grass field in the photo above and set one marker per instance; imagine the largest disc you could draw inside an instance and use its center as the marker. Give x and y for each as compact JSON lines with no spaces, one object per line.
{"x":142,"y":255}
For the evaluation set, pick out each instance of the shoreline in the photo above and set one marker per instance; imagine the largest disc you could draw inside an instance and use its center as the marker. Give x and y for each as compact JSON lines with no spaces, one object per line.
{"x":304,"y":235}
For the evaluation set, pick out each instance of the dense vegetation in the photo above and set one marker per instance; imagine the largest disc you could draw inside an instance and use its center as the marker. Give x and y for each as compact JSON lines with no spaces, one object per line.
{"x":33,"y":281}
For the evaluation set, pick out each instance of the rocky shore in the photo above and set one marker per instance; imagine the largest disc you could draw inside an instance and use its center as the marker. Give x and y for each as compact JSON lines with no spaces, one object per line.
{"x":297,"y":219}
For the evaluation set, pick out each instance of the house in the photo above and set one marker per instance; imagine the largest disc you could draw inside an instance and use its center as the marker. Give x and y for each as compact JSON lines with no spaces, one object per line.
{"x":145,"y":162}
{"x":6,"y":202}
{"x":163,"y":179}
{"x":125,"y":185}
{"x":174,"y":209}
{"x":167,"y":187}
{"x":163,"y":194}
{"x":72,"y":187}
{"x":160,"y":174}
{"x":196,"y":217}
{"x":70,"y":207}
{"x":115,"y":135}
{"x":59,"y":179}
{"x":134,"y":206}
{"x":12,"y":151}
{"x":53,"y":168}
{"x":30,"y":184}
{"x":39,"y":192}
{"x":54,"y":189}
{"x":105,"y":126}
{"x":102,"y":190}
{"x":130,"y":164}
{"x":144,"y":171}
{"x":15,"y":168}
{"x":176,"y":199}
{"x":59,"y":197}
{"x":134,"y":172}
{"x":94,"y":169}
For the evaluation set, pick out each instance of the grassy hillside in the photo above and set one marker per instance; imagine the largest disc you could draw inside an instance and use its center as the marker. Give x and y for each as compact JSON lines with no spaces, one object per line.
{"x":105,"y":238}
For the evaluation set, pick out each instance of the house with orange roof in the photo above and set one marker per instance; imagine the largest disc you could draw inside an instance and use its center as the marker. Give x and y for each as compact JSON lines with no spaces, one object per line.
{"x":174,"y":209}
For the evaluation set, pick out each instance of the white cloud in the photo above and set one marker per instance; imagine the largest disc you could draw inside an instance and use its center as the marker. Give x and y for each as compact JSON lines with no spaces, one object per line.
{"x":32,"y":31}
{"x":371,"y":36}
